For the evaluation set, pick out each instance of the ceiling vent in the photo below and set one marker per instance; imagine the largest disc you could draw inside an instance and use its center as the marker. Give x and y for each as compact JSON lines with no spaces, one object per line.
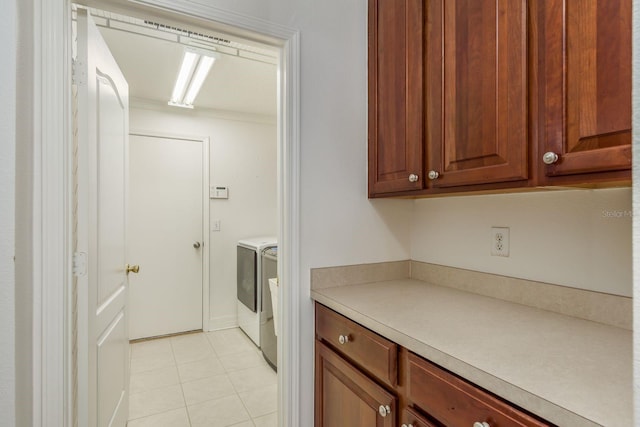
{"x":218,"y":42}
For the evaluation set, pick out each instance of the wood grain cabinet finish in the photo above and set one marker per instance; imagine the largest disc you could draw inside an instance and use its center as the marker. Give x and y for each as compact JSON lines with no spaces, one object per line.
{"x":455,"y":402}
{"x":469,"y":95}
{"x":396,"y":107}
{"x":411,"y":418}
{"x":352,"y":386}
{"x":345,"y":397}
{"x":368,"y":350}
{"x":476,"y":91}
{"x":586,"y":86}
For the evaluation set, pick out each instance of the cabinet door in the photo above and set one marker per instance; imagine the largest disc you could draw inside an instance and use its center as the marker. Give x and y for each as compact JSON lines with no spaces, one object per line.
{"x":396,"y":108}
{"x":477,"y":91}
{"x":345,"y":397}
{"x":586,"y":51}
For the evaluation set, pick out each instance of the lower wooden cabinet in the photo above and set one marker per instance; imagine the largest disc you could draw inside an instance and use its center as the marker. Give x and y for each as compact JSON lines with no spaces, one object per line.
{"x":456,"y":402}
{"x":350,"y":393}
{"x":345,"y":397}
{"x":411,"y":418}
{"x":371,"y":352}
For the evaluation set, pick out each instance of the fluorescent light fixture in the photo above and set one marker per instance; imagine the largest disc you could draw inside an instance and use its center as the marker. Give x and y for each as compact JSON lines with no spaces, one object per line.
{"x":205,"y":64}
{"x":184,"y":75}
{"x":195,"y":67}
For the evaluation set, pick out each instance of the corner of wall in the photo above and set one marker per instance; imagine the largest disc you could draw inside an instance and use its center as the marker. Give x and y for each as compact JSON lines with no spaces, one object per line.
{"x":24,"y":182}
{"x":8,"y":307}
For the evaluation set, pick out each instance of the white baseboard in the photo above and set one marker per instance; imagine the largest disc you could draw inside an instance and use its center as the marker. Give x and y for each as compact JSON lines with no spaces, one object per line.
{"x":222,"y":322}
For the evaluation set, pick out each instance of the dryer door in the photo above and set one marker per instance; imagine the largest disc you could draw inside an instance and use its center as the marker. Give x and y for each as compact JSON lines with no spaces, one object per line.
{"x":247,"y":280}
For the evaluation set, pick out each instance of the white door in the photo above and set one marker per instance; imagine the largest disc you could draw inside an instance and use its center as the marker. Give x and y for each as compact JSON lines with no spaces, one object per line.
{"x":166,"y":235}
{"x":103,"y":127}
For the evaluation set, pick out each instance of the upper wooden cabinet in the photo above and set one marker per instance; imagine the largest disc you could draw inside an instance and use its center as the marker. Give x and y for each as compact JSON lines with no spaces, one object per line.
{"x":585,"y":52}
{"x":476,"y":98}
{"x":468,"y":95}
{"x":396,"y":97}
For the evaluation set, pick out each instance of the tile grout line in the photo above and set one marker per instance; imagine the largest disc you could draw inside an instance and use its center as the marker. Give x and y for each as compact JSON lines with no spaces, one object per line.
{"x":227,"y":341}
{"x":225,"y":373}
{"x":184,"y":398}
{"x":173,"y":365}
{"x":238,"y":396}
{"x":251,"y":418}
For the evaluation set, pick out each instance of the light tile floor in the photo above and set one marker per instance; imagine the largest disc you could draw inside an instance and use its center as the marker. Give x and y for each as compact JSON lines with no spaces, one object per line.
{"x":214,"y":379}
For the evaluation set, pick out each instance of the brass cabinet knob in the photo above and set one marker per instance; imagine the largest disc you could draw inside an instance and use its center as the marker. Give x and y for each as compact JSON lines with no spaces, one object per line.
{"x":132,"y":268}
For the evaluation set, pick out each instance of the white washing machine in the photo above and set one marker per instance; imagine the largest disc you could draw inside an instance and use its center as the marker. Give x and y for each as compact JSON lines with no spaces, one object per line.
{"x":249,"y":289}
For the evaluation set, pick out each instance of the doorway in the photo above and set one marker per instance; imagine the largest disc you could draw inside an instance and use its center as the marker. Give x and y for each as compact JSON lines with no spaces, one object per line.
{"x":168,"y":230}
{"x":284,"y":161}
{"x":236,"y":109}
{"x":53,"y":145}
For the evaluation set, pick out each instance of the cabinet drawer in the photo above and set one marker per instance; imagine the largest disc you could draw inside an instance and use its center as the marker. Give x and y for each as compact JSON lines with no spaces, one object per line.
{"x":455,"y":402}
{"x":367,"y":349}
{"x":411,"y":418}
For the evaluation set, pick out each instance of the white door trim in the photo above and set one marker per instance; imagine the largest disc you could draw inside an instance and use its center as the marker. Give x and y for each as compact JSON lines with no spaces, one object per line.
{"x":206,"y":147}
{"x":51,"y":215}
{"x":52,"y":347}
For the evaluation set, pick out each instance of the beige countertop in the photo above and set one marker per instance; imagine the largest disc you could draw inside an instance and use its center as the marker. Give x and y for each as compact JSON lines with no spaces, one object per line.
{"x":569,"y":371}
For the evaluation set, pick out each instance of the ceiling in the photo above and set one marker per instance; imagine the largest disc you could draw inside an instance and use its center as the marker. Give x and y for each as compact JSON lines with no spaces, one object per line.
{"x":150,"y":63}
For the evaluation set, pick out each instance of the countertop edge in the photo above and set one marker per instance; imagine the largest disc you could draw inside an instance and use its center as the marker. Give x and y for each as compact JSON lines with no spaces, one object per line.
{"x":516,"y":395}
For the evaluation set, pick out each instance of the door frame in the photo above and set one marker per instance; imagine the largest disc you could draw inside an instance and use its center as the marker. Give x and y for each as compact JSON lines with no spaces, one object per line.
{"x":52,"y":268}
{"x":206,"y":149}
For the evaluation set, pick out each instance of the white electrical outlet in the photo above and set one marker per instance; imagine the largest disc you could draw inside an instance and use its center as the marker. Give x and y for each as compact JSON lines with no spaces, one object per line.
{"x":500,"y":241}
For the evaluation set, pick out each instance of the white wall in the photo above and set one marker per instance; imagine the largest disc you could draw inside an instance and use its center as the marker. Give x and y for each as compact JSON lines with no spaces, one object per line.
{"x":577,"y":238}
{"x":8,"y":34}
{"x":243,"y":158}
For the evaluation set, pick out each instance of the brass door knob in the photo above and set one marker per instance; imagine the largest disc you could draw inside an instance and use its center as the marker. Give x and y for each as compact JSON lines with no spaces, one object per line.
{"x":132,"y":268}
